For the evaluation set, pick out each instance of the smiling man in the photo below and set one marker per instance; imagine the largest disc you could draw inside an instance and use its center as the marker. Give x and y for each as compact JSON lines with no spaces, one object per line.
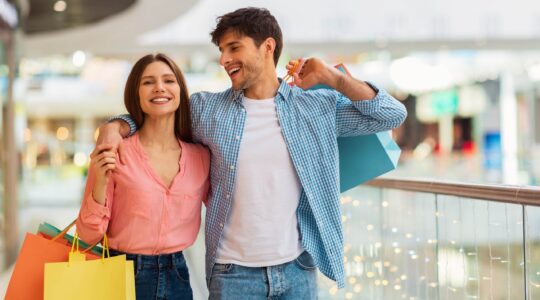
{"x":273,"y":214}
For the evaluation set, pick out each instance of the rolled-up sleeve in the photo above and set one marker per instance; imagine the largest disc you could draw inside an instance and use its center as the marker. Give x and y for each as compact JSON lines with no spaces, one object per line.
{"x":360,"y":117}
{"x":93,"y":219}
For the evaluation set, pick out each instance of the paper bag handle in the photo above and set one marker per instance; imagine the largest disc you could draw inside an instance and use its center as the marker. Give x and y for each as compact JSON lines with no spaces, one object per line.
{"x":75,"y":246}
{"x":75,"y":238}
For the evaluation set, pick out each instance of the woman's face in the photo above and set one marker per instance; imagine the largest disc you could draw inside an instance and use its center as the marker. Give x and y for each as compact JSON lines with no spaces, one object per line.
{"x":159,"y":91}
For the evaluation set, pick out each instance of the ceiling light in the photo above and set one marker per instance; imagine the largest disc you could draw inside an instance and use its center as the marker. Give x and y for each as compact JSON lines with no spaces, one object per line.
{"x":60,"y":6}
{"x":78,"y":58}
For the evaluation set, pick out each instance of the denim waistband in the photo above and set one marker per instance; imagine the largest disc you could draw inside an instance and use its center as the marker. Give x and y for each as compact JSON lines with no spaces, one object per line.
{"x":171,"y":259}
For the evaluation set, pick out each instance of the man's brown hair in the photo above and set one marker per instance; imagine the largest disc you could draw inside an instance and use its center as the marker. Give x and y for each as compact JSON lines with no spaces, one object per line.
{"x":256,"y":23}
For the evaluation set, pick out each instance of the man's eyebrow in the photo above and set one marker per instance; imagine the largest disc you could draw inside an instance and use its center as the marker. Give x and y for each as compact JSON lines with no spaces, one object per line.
{"x":229,"y":44}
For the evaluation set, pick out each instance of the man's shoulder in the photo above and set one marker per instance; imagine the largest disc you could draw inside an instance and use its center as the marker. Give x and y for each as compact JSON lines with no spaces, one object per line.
{"x":316,"y":92}
{"x":208,"y":96}
{"x":310,"y":97}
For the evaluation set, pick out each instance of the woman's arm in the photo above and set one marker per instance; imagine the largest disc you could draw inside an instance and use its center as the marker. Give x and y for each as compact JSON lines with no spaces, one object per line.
{"x":95,"y":210}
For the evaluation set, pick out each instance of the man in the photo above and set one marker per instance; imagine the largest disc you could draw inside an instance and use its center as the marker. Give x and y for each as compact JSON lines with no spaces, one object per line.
{"x":273,"y":214}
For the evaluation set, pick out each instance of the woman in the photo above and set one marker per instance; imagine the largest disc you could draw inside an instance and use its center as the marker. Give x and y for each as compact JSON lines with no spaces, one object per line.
{"x":148,"y":206}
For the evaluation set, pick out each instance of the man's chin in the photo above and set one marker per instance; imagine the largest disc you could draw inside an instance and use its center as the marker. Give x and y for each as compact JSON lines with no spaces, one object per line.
{"x":237,"y":86}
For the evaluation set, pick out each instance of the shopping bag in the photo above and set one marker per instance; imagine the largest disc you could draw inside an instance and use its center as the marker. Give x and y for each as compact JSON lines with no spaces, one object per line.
{"x":26,"y":281}
{"x":108,"y":278}
{"x":47,"y":230}
{"x":364,"y":157}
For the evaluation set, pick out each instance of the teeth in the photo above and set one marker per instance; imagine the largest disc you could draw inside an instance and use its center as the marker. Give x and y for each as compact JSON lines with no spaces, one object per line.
{"x":159,"y":100}
{"x":233,"y":70}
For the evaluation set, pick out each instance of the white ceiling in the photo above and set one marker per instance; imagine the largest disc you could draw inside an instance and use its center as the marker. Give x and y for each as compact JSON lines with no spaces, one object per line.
{"x":309,"y":25}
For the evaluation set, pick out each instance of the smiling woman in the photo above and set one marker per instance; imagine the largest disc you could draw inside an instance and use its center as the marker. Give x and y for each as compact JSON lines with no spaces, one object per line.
{"x":150,"y":205}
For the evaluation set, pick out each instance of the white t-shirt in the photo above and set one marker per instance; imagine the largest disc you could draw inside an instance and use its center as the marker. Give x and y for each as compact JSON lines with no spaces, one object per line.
{"x":262,"y":228}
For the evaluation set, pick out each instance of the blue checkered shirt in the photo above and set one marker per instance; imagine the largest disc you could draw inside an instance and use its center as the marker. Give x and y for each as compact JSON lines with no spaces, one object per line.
{"x":310,"y":121}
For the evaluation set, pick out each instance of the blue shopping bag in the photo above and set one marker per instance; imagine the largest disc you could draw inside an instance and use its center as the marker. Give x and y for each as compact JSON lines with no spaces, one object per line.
{"x":364,"y":157}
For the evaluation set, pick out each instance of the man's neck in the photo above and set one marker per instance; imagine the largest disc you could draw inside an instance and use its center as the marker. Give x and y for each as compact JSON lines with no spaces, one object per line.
{"x":265,"y":88}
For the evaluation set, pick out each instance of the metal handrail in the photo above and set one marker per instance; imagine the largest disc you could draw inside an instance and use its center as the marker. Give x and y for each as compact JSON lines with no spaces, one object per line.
{"x":525,"y":195}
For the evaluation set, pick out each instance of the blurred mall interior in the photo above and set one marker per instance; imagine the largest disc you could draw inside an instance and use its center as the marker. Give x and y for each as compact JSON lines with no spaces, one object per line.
{"x":467,"y":71}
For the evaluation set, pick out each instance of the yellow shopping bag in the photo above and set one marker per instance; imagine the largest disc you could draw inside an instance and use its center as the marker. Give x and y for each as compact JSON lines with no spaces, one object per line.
{"x":108,"y":278}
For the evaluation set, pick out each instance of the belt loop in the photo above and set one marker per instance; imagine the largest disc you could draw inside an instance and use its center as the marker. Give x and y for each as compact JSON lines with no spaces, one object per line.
{"x":176,"y":257}
{"x":139,"y":263}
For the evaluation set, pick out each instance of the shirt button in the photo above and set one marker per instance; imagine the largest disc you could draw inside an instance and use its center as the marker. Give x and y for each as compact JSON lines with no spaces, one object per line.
{"x":221,"y":225}
{"x":232,"y":167}
{"x":237,"y":137}
{"x":227,"y":196}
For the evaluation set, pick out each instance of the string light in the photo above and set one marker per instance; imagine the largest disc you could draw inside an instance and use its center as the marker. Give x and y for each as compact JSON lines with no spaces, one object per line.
{"x":401,"y":248}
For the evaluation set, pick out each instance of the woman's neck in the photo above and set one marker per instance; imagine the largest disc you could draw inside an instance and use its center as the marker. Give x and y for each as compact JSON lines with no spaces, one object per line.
{"x":158,"y":133}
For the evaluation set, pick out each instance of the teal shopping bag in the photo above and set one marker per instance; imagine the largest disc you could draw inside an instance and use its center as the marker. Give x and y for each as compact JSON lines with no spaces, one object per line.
{"x":51,"y":231}
{"x":364,"y":157}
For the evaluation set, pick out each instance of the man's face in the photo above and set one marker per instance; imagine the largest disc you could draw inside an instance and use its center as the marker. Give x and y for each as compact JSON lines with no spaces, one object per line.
{"x":243,"y":61}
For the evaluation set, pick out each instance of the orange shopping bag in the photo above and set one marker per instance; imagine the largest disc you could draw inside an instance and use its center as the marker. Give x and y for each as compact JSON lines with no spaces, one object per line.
{"x":26,"y":282}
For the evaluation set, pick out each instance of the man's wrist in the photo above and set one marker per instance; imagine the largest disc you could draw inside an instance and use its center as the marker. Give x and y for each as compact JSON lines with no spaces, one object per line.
{"x":125,"y":131}
{"x":336,"y":79}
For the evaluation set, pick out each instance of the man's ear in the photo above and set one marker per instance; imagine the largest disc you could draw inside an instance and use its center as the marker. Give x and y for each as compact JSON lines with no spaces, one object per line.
{"x":269,"y":46}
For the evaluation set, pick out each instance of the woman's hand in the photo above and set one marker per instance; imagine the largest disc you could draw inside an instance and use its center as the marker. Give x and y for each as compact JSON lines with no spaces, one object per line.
{"x":102,"y":164}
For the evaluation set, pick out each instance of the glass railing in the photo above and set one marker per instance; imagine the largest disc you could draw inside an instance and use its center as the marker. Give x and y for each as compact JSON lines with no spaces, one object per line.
{"x":428,"y":240}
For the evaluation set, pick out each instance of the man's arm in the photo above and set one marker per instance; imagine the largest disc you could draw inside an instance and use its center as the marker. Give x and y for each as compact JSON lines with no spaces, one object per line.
{"x":315,"y":71}
{"x":112,"y":133}
{"x":361,"y":108}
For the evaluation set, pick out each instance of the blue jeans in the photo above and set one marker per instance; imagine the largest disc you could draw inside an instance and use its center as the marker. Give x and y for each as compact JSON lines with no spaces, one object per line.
{"x":163,"y":276}
{"x":293,"y":280}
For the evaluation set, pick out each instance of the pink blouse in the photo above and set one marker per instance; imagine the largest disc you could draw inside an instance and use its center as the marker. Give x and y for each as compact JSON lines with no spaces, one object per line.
{"x":141,"y":214}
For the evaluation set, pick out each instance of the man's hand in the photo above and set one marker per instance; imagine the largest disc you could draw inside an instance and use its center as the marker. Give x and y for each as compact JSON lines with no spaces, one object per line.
{"x":313,"y":71}
{"x":111,"y":134}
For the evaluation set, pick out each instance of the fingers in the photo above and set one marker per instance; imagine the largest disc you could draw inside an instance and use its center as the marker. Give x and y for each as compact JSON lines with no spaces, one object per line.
{"x":106,"y":160}
{"x":100,"y":148}
{"x":104,"y":163}
{"x":305,"y":82}
{"x":296,"y":79}
{"x":291,"y":64}
{"x":104,"y":157}
{"x":294,"y":65}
